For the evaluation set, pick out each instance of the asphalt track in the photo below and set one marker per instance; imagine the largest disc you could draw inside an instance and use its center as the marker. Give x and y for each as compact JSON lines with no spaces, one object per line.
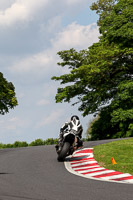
{"x":33,"y":173}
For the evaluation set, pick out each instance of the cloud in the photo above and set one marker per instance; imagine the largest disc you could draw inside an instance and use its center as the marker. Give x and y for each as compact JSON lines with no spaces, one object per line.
{"x":77,"y":36}
{"x":13,"y":123}
{"x":43,"y":102}
{"x":34,"y":63}
{"x":48,"y":90}
{"x":28,"y":26}
{"x":45,"y":62}
{"x":52,"y":26}
{"x":21,"y":10}
{"x":16,"y":11}
{"x":5,"y":4}
{"x":52,"y":117}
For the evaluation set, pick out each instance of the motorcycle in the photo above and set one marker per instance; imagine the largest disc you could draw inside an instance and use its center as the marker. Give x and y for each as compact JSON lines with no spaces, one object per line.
{"x":68,"y":145}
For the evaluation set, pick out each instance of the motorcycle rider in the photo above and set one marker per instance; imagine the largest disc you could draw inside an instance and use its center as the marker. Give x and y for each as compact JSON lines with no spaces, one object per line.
{"x":74,"y":121}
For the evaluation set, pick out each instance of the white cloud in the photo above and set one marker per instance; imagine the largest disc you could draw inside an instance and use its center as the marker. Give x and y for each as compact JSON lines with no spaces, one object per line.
{"x":49,"y":89}
{"x":5,"y":4}
{"x":53,"y":25}
{"x":13,"y":11}
{"x":43,"y":102}
{"x":13,"y":123}
{"x":11,"y":15}
{"x":21,"y":10}
{"x":43,"y":63}
{"x":36,"y":63}
{"x":77,"y":36}
{"x":52,"y":117}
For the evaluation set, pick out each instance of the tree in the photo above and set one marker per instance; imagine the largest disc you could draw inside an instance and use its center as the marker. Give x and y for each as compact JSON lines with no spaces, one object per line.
{"x":103,"y":8}
{"x":102,"y":77}
{"x":122,"y":109}
{"x":7,"y":95}
{"x":117,"y":26}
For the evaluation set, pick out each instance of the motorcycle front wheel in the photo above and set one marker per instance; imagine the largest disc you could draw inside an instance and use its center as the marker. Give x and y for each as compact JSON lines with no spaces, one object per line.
{"x":64,"y":151}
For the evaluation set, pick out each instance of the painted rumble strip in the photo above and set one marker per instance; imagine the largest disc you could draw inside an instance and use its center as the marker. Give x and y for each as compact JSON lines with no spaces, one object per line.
{"x":82,"y":163}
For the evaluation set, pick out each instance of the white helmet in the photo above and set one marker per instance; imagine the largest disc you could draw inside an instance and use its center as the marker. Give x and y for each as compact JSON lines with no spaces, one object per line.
{"x":75,"y":120}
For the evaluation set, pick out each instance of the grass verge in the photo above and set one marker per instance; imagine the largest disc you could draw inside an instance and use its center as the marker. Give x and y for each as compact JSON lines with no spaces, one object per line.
{"x":121,"y":151}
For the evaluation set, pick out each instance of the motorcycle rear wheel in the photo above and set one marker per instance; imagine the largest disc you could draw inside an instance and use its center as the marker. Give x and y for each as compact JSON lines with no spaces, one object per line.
{"x":64,"y":151}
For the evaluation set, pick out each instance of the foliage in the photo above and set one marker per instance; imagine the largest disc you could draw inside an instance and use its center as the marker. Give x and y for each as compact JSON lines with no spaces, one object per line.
{"x":18,"y":144}
{"x":7,"y":95}
{"x":96,"y":81}
{"x":37,"y":142}
{"x":1,"y":146}
{"x":50,"y":141}
{"x":122,"y":106}
{"x":117,"y":27}
{"x":8,"y":146}
{"x":89,"y":129}
{"x":103,"y":8}
{"x":102,"y":128}
{"x":102,"y":77}
{"x":116,"y":120}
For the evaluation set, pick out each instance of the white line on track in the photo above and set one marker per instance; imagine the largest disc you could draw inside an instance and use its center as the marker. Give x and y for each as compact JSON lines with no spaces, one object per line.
{"x":84,"y":163}
{"x":117,"y":176}
{"x":91,"y":170}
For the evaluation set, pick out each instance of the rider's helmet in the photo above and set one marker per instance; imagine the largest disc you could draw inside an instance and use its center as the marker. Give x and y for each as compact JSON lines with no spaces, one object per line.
{"x":75,"y":120}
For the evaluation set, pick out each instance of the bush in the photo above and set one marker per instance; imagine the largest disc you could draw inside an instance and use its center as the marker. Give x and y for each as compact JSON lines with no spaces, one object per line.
{"x":49,"y":141}
{"x":102,"y":128}
{"x":1,"y":146}
{"x":20,"y":144}
{"x":37,"y":142}
{"x":89,"y":129}
{"x":8,"y":146}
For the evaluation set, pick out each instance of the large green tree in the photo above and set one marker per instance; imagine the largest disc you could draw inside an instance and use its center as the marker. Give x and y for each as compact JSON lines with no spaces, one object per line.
{"x":7,"y":95}
{"x":101,"y":77}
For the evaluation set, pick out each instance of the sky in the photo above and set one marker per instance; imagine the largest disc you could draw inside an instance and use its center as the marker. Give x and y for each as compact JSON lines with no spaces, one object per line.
{"x":31,"y":34}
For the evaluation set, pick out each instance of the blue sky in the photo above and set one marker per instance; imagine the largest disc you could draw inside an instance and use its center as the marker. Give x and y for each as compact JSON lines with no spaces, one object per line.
{"x":31,"y":34}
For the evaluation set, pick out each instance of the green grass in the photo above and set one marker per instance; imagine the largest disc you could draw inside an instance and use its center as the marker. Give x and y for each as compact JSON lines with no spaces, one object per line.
{"x":121,"y":151}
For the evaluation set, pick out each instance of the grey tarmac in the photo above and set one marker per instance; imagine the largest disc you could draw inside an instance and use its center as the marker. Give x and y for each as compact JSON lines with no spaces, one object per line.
{"x":33,"y":173}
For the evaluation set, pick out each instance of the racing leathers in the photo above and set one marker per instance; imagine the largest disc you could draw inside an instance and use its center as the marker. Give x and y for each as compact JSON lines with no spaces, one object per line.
{"x":67,"y":127}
